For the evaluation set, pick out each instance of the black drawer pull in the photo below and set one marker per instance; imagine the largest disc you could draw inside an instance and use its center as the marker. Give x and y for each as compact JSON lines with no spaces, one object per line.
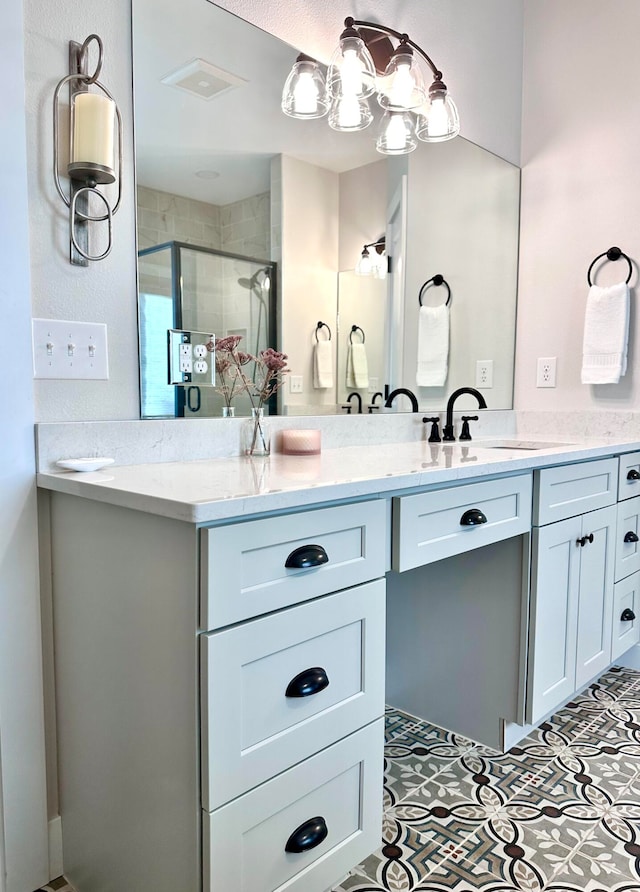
{"x":309,"y":682}
{"x":634,"y":474}
{"x":307,"y":836}
{"x":472,"y":518}
{"x":307,"y":556}
{"x":630,"y":537}
{"x":627,"y":615}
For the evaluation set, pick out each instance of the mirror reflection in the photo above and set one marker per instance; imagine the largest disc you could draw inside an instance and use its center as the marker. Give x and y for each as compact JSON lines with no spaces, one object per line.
{"x":231,"y":186}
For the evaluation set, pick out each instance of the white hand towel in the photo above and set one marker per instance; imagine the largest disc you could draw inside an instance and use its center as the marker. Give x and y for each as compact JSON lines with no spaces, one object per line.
{"x":357,"y":367}
{"x":606,"y":333}
{"x":322,"y":365}
{"x":433,"y":346}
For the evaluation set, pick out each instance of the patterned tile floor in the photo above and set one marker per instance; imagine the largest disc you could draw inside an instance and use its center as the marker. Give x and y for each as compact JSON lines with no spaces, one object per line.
{"x":559,"y":812}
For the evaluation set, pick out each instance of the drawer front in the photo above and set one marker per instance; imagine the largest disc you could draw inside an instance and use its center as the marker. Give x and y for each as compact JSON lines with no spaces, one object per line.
{"x":251,"y":729}
{"x":244,"y":842}
{"x":431,"y":526}
{"x":628,"y":538}
{"x":629,"y":476}
{"x":626,"y":603}
{"x":570,"y":490}
{"x":243,"y":566}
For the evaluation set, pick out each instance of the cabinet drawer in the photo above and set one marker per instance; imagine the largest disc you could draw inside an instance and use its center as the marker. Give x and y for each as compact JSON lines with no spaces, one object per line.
{"x":629,"y":476}
{"x":627,"y":538}
{"x":244,"y":842}
{"x":430,"y":526}
{"x":569,"y":490}
{"x":626,"y":632}
{"x":243,"y":565}
{"x":251,"y":729}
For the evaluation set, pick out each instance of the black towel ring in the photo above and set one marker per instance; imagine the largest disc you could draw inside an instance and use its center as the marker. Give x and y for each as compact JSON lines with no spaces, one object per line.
{"x":612,"y":254}
{"x":355,"y":328}
{"x":437,"y":280}
{"x":322,"y":325}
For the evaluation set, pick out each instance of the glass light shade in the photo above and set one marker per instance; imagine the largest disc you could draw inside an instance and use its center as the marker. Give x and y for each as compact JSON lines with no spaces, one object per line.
{"x":397,"y":135}
{"x":364,"y":266}
{"x":92,"y":153}
{"x":348,"y":113}
{"x":379,"y":270}
{"x":402,"y":85}
{"x":304,"y":92}
{"x":438,"y":119}
{"x":351,"y":70}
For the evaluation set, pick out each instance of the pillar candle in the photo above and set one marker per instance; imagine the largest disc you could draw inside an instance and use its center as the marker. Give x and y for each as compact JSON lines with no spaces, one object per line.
{"x":93,"y":130}
{"x":301,"y":442}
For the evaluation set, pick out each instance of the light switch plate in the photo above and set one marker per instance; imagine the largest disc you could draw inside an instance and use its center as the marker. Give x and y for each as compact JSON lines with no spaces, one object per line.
{"x":64,"y":349}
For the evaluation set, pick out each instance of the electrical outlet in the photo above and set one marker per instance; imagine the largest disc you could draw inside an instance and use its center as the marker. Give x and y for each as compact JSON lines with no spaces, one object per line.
{"x":295,"y":384}
{"x":191,"y":353}
{"x":373,"y":385}
{"x":484,"y":374}
{"x":546,"y":371}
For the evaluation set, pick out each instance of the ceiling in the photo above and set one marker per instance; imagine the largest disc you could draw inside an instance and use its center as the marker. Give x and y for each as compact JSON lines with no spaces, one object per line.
{"x":237,"y":132}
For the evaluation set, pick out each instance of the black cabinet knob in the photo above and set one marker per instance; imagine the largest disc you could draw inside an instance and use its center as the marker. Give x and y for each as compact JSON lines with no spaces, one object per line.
{"x":307,"y":836}
{"x":583,"y":541}
{"x":634,"y":474}
{"x":472,"y":518}
{"x":307,"y":556}
{"x":309,"y":682}
{"x":627,"y":615}
{"x":630,"y":536}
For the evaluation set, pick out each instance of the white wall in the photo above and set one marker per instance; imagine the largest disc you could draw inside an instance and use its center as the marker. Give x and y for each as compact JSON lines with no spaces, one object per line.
{"x":105,"y":291}
{"x":581,"y":181}
{"x":476,"y":43}
{"x":23,"y":817}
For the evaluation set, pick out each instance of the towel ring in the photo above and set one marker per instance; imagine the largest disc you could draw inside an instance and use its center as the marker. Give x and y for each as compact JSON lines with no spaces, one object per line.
{"x":437,"y":280}
{"x":612,"y":254}
{"x":322,"y":325}
{"x":355,"y":328}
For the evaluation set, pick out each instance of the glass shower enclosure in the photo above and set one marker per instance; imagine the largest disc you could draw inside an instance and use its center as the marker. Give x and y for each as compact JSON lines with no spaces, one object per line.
{"x":189,"y":287}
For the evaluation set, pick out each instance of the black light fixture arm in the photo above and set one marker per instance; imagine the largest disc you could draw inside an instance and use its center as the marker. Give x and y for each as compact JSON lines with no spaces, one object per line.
{"x":350,"y":22}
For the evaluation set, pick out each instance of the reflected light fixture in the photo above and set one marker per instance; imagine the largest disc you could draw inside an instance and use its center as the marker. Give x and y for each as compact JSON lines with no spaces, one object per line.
{"x":95,"y":130}
{"x":375,"y":265}
{"x":367,"y":62}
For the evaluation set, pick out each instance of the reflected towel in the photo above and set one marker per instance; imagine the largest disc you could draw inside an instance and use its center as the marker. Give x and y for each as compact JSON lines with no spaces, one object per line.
{"x":606,"y":333}
{"x":433,"y":346}
{"x":322,"y":365}
{"x":357,"y":367}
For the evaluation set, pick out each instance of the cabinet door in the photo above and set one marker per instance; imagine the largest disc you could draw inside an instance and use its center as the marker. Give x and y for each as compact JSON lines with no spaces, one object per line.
{"x":554,"y":611}
{"x":595,"y":607}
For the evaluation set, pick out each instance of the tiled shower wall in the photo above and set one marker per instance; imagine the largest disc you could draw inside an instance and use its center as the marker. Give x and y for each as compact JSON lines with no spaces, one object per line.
{"x":243,"y":227}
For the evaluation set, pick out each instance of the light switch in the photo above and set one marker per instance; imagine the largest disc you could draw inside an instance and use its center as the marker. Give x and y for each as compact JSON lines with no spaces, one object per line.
{"x":64,"y":349}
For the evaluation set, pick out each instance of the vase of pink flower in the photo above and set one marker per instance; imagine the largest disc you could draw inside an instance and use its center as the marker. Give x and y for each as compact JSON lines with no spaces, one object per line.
{"x":270,"y":371}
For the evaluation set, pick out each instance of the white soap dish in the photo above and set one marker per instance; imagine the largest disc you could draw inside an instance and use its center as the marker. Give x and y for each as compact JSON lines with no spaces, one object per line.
{"x":84,"y":464}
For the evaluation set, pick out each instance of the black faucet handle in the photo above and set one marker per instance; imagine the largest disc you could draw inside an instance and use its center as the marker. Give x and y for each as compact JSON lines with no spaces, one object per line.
{"x":347,"y":407}
{"x":434,"y":436}
{"x":465,"y":435}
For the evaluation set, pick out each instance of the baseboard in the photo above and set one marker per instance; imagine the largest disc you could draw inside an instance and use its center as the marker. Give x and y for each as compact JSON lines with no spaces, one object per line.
{"x":56,"y":868}
{"x":630,"y":659}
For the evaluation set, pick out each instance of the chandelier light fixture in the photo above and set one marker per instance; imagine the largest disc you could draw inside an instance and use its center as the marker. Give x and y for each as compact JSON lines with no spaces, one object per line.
{"x":365,"y":62}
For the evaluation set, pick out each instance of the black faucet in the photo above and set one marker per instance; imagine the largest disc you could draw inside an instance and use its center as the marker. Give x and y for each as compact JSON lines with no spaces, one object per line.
{"x":348,"y":406}
{"x":447,"y":432}
{"x":372,"y":404}
{"x":389,"y":397}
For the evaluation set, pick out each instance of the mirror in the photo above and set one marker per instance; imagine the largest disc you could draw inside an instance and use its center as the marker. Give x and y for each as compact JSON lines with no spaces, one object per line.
{"x":224,"y":175}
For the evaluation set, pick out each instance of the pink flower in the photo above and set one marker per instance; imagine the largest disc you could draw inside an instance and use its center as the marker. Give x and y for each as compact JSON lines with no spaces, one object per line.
{"x":228,"y":344}
{"x":273,"y":360}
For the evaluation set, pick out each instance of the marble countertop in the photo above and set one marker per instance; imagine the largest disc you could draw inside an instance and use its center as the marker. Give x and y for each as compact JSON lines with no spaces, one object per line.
{"x":205,"y":491}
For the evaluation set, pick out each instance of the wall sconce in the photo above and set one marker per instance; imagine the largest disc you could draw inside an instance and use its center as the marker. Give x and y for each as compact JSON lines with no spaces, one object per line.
{"x":375,"y":265}
{"x":366,"y":62}
{"x":92,"y":142}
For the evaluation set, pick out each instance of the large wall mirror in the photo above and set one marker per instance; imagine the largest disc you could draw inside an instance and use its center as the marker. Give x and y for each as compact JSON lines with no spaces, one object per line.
{"x":266,"y":218}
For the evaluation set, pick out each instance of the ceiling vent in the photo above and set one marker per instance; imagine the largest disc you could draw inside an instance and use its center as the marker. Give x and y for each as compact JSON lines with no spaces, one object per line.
{"x":202,"y":79}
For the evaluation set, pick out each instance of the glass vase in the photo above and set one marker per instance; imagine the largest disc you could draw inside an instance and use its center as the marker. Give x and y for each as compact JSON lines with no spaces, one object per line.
{"x":228,"y":411}
{"x":256,"y":434}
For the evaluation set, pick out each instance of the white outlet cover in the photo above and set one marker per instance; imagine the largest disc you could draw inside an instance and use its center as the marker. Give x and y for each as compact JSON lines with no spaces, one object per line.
{"x":546,"y":371}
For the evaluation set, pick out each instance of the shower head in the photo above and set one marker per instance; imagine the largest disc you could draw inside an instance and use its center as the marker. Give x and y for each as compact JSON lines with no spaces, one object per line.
{"x":255,"y":280}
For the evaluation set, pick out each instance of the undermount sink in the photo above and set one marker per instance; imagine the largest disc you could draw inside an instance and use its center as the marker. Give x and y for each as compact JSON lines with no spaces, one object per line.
{"x":527,"y":445}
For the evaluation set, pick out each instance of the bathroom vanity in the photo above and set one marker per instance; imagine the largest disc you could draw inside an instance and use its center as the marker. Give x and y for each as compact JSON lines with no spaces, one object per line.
{"x":220,"y":641}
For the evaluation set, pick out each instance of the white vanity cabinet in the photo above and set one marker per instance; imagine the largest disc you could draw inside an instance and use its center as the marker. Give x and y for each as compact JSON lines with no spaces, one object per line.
{"x":572,"y":580}
{"x":220,"y":696}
